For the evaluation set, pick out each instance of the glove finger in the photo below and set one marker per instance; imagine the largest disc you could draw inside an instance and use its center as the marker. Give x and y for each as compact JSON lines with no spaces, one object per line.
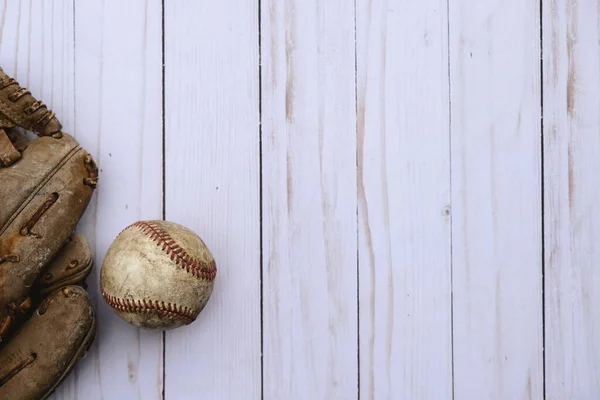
{"x":71,"y":266}
{"x":48,"y":346}
{"x":18,"y":106}
{"x":44,"y":195}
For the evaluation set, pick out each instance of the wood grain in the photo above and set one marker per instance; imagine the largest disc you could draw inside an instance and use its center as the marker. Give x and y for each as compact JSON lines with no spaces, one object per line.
{"x":390,"y":152}
{"x":309,"y":200}
{"x":212,"y":187}
{"x":118,"y":93}
{"x":404,"y":200}
{"x":571,"y":33}
{"x":496,"y":197}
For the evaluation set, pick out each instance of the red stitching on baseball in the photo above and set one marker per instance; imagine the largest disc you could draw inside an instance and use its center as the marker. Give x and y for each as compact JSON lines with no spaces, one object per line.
{"x":184,"y":314}
{"x":193,"y":266}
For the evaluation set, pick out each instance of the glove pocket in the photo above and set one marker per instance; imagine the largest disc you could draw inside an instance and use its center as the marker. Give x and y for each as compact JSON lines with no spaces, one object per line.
{"x":45,"y":350}
{"x":41,"y":226}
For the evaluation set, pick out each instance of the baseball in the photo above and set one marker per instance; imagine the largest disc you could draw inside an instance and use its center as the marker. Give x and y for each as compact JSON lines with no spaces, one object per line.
{"x":157,"y":275}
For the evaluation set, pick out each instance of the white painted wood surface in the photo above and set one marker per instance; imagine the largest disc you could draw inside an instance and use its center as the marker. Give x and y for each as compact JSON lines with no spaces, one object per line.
{"x":212,"y":185}
{"x":349,"y":164}
{"x":118,"y":101}
{"x":496,"y":199}
{"x":404,"y":200}
{"x":309,"y":200}
{"x":572,"y":160}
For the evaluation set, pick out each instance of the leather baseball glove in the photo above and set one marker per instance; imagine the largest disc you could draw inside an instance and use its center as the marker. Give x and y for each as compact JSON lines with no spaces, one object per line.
{"x":47,"y":321}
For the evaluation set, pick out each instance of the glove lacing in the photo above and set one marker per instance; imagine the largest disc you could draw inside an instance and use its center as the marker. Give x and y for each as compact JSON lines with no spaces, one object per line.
{"x":19,"y":92}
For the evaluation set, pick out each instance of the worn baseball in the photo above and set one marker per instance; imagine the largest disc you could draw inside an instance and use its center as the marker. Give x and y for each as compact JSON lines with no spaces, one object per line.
{"x":157,"y":275}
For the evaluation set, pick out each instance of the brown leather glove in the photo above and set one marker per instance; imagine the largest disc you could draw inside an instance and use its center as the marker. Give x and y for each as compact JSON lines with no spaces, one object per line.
{"x":47,"y":321}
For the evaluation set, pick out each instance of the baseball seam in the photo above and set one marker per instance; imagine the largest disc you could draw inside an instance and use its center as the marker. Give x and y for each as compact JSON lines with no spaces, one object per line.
{"x":184,"y":314}
{"x":177,"y":254}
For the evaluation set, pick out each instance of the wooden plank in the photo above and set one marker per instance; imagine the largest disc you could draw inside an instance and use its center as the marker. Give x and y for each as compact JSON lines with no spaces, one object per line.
{"x":404,"y":200}
{"x":309,"y":200}
{"x":496,"y":197}
{"x":118,"y":119}
{"x":212,"y":187}
{"x":571,"y":31}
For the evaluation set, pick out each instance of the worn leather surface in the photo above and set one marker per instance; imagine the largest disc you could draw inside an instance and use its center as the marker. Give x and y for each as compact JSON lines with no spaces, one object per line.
{"x":42,"y":158}
{"x":9,"y":154}
{"x":43,"y":197}
{"x":71,"y":265}
{"x":46,"y":183}
{"x":19,"y":107}
{"x":39,"y":357}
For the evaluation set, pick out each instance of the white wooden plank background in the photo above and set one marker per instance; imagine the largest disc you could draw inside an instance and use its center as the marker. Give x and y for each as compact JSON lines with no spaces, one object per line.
{"x":401,"y":196}
{"x":496,"y":198}
{"x":572,"y":161}
{"x":118,"y":92}
{"x":309,"y":200}
{"x":404,"y":200}
{"x":212,"y":185}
